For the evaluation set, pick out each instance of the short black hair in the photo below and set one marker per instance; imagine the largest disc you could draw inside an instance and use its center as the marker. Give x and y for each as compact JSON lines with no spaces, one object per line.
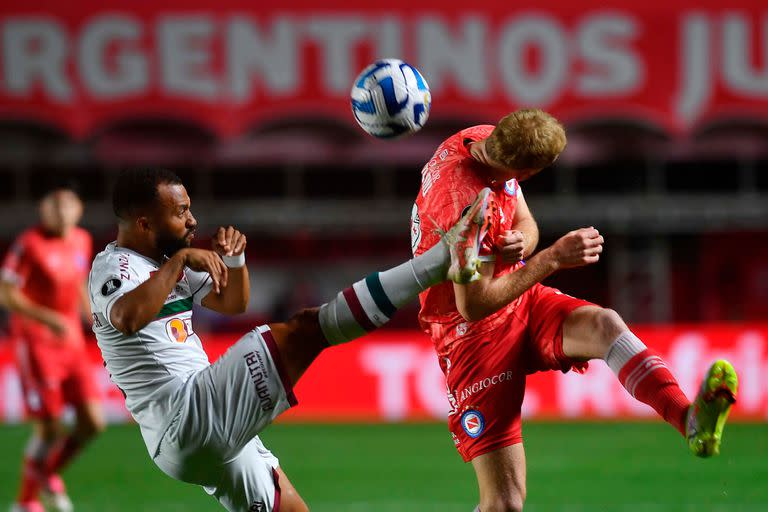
{"x":49,"y":183}
{"x":136,"y":189}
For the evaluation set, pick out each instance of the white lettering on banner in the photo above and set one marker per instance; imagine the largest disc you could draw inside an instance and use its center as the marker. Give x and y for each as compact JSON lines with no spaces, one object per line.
{"x":185,"y":50}
{"x":522,"y":85}
{"x":461,"y":58}
{"x":395,"y":366}
{"x":611,"y":66}
{"x":595,"y":390}
{"x":389,"y":36}
{"x":737,"y":56}
{"x":274,"y":60}
{"x":238,"y":58}
{"x":338,"y":36}
{"x":129,"y":73}
{"x":34,"y":55}
{"x":696,"y":85}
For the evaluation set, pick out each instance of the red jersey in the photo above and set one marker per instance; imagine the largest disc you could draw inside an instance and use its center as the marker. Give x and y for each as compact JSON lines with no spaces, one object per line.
{"x":450,"y":182}
{"x":50,"y":271}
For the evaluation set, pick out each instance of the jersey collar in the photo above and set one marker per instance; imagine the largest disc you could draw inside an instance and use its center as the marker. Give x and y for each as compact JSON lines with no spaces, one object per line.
{"x":117,"y":248}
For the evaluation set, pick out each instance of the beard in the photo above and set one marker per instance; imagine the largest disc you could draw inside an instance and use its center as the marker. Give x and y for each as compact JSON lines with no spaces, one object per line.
{"x":170,"y":245}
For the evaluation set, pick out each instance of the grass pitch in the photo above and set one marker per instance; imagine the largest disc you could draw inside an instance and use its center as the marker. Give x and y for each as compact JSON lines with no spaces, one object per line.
{"x":572,"y":467}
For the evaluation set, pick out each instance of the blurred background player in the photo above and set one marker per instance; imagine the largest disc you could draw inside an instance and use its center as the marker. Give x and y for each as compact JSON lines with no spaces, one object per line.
{"x":505,"y":325}
{"x":43,"y":286}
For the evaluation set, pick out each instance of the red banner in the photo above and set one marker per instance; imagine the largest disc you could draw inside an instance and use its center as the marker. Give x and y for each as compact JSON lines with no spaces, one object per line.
{"x":392,"y":376}
{"x":227,"y":65}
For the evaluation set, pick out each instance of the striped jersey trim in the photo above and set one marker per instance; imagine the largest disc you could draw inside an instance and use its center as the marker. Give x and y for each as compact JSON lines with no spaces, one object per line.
{"x":357,"y":309}
{"x":379,"y":296}
{"x":177,"y":306}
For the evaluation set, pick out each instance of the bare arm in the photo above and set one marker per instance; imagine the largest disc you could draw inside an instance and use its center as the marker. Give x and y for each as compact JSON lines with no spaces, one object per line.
{"x":519,"y":242}
{"x":134,"y":310}
{"x":487,"y":295}
{"x":234,"y":297}
{"x":12,"y":298}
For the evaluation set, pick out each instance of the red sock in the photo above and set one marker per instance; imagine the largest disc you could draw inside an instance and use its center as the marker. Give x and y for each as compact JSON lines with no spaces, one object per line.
{"x":30,"y":481}
{"x":648,"y":379}
{"x":62,"y":455}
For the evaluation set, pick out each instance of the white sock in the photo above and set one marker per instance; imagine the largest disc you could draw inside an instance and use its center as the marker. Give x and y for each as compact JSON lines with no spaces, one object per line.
{"x":371,"y":302}
{"x":623,"y":348}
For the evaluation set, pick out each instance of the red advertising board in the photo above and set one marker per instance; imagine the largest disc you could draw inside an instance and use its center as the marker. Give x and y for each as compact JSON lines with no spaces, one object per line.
{"x":230,"y":64}
{"x":393,"y":376}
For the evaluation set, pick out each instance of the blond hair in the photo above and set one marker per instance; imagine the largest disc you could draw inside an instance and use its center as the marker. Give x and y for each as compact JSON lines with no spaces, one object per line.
{"x":526,"y":139}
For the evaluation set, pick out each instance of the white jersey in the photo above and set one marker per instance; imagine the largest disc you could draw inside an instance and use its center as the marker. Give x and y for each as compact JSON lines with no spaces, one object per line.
{"x":151,"y":365}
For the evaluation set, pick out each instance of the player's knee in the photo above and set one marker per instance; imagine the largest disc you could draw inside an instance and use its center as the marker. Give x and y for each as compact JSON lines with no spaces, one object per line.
{"x":512,"y":503}
{"x":305,"y":326}
{"x":48,"y":430}
{"x":607,"y":325}
{"x":91,"y":427}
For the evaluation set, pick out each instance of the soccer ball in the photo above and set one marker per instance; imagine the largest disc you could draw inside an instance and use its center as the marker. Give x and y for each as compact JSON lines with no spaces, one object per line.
{"x":390,"y":99}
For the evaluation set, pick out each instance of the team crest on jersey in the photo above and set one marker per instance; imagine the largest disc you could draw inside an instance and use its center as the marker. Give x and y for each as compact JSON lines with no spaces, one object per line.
{"x":510,"y":187}
{"x":179,"y":329}
{"x":111,"y":287}
{"x":473,"y":423}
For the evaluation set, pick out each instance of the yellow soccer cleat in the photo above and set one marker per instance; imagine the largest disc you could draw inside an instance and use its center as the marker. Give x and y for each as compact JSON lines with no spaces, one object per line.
{"x":709,"y":411}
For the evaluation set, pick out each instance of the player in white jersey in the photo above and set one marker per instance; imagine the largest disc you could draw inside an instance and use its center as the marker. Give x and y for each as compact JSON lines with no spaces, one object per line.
{"x":199,"y":420}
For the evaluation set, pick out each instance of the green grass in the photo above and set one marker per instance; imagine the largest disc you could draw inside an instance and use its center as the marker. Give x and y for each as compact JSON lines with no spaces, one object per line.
{"x":572,"y":467}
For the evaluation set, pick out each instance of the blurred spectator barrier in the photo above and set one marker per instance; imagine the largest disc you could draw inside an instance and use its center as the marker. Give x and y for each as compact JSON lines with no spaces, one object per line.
{"x":394,"y":376}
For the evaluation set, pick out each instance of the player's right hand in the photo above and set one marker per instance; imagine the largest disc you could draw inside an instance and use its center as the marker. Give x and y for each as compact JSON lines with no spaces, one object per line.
{"x":578,"y":248}
{"x":201,"y":260}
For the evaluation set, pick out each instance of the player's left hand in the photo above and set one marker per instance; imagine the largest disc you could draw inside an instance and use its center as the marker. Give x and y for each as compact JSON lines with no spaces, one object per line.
{"x":511,"y":246}
{"x":229,"y":242}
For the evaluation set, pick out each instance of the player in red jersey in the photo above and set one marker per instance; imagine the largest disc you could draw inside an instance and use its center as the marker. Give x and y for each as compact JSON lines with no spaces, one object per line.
{"x":42,"y":284}
{"x":489,"y":334}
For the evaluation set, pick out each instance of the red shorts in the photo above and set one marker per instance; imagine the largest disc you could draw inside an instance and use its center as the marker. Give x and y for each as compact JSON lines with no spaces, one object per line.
{"x":486,"y":375}
{"x":52,"y":376}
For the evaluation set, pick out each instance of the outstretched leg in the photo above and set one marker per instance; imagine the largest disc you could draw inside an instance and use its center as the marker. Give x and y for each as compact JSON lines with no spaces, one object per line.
{"x":592,"y":332}
{"x":371,"y":302}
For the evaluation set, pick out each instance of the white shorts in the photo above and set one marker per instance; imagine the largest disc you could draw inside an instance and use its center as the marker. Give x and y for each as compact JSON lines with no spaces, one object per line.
{"x":213,"y":442}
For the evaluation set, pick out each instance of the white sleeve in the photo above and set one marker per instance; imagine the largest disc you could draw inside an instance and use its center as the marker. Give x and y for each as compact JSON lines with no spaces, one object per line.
{"x":200,"y":284}
{"x":108,"y":282}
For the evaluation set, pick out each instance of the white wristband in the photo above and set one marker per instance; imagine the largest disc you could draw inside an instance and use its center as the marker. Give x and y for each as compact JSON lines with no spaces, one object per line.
{"x":234,"y":261}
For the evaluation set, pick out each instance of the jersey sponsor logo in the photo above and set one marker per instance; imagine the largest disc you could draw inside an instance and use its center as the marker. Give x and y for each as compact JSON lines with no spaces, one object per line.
{"x":179,"y":329}
{"x":485,"y":383}
{"x":111,"y":287}
{"x":259,"y":377}
{"x":415,"y":228}
{"x":473,"y":423}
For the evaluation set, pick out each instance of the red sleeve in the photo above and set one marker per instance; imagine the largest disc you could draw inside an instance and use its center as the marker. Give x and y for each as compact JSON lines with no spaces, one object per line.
{"x":488,"y":244}
{"x":15,"y":266}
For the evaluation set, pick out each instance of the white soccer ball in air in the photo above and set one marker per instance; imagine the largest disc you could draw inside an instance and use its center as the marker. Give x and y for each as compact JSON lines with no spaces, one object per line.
{"x":390,"y":99}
